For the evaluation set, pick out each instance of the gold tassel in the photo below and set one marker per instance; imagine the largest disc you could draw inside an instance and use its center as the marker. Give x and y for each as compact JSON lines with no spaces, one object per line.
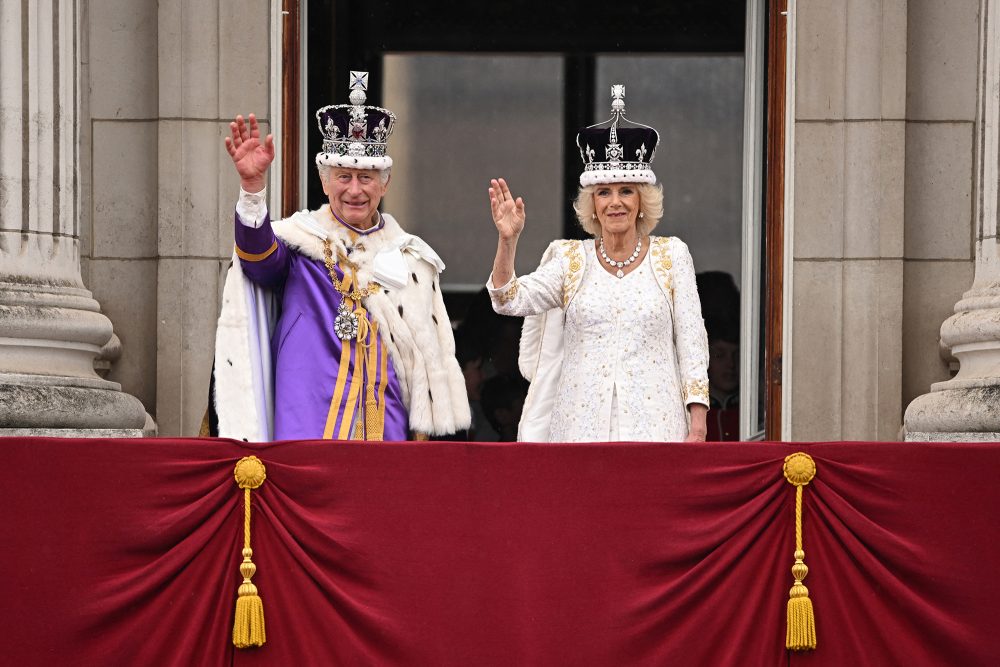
{"x":248,"y":627}
{"x":801,"y":634}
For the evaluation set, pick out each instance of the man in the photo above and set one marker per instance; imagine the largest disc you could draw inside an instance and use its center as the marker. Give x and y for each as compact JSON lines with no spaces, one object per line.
{"x":333,"y":325}
{"x":723,"y":378}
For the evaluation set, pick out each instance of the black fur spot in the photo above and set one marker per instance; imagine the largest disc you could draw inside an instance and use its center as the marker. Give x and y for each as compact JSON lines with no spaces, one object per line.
{"x":229,"y":361}
{"x":392,"y":338}
{"x":434,"y":287}
{"x":434,"y":317}
{"x":414,"y":277}
{"x":430,"y":395}
{"x":400,"y":310}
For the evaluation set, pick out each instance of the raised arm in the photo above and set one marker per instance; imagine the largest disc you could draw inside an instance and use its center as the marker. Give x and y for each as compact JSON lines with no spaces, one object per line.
{"x":251,"y":157}
{"x":263,"y":258}
{"x":508,"y":216}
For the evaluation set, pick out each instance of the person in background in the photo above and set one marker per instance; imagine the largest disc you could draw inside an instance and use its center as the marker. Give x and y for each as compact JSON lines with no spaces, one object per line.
{"x":720,"y":299}
{"x":503,"y":399}
{"x":495,"y":339}
{"x":723,"y":378}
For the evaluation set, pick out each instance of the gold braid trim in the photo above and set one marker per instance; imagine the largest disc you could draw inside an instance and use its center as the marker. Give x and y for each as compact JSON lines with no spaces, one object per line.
{"x":251,"y":257}
{"x":374,"y":412}
{"x":799,"y":470}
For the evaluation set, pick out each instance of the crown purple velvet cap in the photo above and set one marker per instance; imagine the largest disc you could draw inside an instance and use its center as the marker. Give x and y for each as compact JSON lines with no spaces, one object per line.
{"x":354,"y":135}
{"x":617,"y":150}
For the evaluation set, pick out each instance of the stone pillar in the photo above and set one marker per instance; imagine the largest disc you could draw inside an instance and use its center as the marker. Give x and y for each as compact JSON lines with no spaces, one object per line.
{"x":51,"y":328}
{"x":214,"y":62}
{"x":967,"y":407}
{"x":846,"y":273}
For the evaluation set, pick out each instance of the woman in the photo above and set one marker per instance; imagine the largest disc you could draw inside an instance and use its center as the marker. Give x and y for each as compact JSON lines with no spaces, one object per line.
{"x":622,"y":309}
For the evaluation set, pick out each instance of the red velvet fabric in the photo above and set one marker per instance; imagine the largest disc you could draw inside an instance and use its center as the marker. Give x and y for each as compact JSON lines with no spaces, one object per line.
{"x":126,"y":552}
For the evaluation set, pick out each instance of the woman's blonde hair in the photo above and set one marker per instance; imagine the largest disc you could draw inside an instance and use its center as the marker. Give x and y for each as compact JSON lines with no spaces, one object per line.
{"x":650,"y":205}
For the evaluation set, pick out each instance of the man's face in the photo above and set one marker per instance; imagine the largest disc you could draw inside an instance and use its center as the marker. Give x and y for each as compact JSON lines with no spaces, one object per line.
{"x":724,"y":365}
{"x":355,"y":194}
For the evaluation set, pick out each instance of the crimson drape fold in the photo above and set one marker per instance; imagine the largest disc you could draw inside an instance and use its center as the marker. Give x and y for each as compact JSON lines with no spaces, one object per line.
{"x":128,"y":551}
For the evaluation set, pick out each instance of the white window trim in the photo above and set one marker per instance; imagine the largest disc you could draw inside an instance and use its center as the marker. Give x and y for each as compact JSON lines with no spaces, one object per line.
{"x":754,"y":148}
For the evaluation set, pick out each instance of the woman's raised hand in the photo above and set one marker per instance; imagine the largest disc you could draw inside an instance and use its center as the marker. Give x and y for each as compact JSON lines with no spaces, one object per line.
{"x":508,"y":213}
{"x":250,"y":156}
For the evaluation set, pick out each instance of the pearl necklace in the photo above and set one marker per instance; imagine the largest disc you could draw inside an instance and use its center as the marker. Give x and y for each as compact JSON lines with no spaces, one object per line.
{"x":620,"y":265}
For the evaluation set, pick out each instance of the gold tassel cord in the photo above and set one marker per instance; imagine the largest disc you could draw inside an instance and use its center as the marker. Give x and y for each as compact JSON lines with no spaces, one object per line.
{"x":248,"y":627}
{"x":799,"y":470}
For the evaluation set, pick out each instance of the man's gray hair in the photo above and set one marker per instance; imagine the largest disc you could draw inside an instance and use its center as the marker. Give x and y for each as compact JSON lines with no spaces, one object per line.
{"x":324,"y":172}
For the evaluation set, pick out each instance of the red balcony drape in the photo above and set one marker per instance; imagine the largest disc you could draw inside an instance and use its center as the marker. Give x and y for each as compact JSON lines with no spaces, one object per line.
{"x":126,"y":552}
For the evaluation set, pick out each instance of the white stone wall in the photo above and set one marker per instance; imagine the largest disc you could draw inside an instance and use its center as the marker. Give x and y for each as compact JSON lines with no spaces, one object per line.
{"x":848,"y":219}
{"x":882,"y":246}
{"x":164,"y":80}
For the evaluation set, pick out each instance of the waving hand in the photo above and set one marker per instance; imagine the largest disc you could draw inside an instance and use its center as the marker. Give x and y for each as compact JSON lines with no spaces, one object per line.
{"x":251,"y":157}
{"x":508,"y":213}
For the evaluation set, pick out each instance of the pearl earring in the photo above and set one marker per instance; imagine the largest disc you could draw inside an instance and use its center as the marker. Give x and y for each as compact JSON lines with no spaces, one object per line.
{"x":593,"y":216}
{"x":640,"y":214}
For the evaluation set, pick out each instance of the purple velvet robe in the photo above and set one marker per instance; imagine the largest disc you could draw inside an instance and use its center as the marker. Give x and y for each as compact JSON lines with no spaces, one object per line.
{"x":312,"y":393}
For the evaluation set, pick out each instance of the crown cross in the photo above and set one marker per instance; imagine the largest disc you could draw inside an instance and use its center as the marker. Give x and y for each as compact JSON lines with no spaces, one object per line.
{"x":614,"y":152}
{"x":359,"y":84}
{"x":359,"y":80}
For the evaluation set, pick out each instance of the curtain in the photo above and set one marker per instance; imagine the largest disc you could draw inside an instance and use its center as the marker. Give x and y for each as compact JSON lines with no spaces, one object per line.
{"x":127,"y":552}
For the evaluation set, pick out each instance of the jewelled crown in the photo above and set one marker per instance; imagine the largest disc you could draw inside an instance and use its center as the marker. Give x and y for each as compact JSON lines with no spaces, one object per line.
{"x":354,"y":135}
{"x":617,"y":150}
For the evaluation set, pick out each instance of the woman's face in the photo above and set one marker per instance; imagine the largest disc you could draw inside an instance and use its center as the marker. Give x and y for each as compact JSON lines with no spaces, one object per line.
{"x":617,"y":207}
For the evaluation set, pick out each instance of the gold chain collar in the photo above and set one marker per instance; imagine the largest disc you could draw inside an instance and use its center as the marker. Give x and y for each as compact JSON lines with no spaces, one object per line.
{"x":354,"y":294}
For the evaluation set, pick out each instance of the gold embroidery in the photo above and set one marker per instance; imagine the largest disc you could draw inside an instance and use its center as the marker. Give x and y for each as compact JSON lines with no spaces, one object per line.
{"x":662,"y":264}
{"x":572,"y":252}
{"x":695,"y":389}
{"x":508,"y":294}
{"x":252,"y":257}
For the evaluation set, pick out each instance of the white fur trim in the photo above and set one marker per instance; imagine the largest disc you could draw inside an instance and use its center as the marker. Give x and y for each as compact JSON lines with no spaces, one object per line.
{"x":244,"y":401}
{"x":351,"y":162}
{"x":606,"y":176}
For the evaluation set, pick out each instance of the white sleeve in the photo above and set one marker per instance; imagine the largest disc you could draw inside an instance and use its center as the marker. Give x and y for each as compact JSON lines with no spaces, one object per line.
{"x":539,"y":291}
{"x":690,"y":338}
{"x":251,"y":208}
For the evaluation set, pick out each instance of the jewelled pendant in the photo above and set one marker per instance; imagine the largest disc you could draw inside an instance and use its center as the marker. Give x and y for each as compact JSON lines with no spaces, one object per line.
{"x":346,"y":323}
{"x":620,"y":274}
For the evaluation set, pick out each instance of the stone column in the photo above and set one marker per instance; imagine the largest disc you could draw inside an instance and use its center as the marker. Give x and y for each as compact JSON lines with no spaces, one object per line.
{"x":967,"y":407}
{"x":51,"y":328}
{"x":846,"y":273}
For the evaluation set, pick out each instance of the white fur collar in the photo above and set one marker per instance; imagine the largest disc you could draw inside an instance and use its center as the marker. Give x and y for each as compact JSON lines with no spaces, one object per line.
{"x":379,"y":255}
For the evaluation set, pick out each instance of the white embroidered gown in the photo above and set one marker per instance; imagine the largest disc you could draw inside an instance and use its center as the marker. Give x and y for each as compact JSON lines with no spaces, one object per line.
{"x":632,"y":359}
